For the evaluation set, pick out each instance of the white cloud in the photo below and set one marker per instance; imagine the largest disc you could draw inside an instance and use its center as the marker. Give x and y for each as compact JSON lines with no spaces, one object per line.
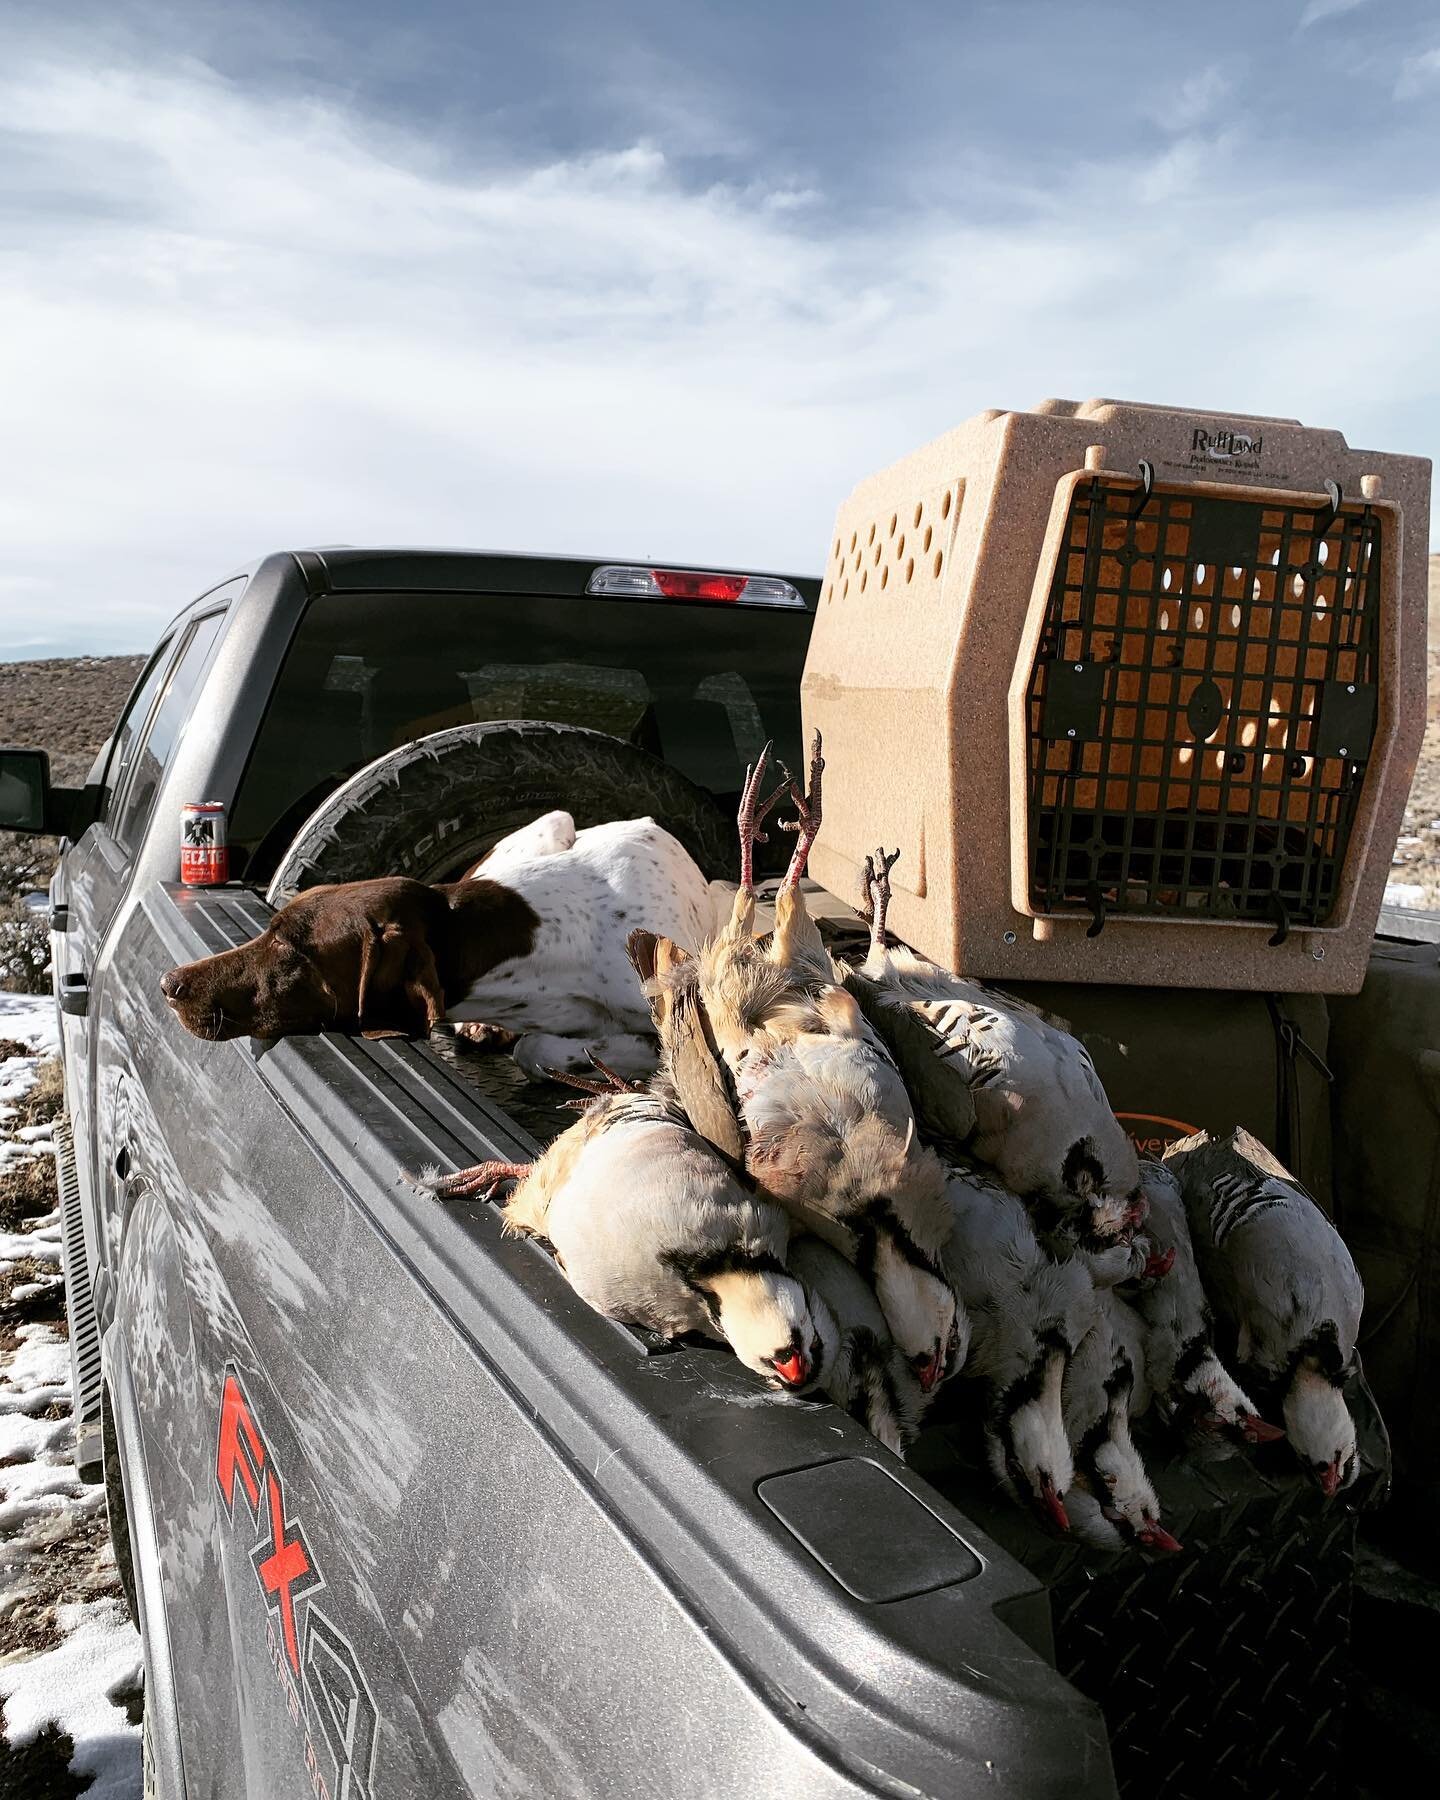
{"x":1317,"y":10}
{"x":234,"y":323}
{"x":1191,"y":101}
{"x":1418,"y":75}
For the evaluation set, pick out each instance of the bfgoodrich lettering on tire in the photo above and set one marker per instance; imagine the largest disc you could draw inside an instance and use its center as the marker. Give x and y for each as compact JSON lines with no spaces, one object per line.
{"x":432,"y":808}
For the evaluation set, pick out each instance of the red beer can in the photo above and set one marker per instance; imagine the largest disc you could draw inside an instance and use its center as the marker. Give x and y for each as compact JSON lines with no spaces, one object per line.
{"x":204,"y":853}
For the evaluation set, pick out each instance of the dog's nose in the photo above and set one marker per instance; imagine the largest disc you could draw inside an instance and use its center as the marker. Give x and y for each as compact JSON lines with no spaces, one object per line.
{"x":172,"y":985}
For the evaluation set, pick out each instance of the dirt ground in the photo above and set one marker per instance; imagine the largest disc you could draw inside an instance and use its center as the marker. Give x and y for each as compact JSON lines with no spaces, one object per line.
{"x":60,"y":1556}
{"x":1417,"y":855}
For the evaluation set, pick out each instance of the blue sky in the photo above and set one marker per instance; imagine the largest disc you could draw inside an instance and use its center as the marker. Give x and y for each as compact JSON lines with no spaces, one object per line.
{"x":661,"y":279}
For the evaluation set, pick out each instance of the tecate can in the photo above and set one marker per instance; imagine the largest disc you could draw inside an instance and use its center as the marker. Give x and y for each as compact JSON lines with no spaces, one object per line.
{"x":204,"y":853}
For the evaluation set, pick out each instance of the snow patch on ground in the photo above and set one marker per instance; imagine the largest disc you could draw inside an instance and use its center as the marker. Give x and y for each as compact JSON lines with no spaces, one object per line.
{"x":30,"y":1018}
{"x":1407,"y":893}
{"x":48,"y":1517}
{"x":72,"y":1686}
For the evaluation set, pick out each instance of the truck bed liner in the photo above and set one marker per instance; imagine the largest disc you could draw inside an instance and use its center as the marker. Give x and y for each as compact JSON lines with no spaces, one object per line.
{"x":678,"y":1449}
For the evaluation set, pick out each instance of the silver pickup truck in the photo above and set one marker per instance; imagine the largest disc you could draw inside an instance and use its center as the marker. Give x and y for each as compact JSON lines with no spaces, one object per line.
{"x":398,"y":1514}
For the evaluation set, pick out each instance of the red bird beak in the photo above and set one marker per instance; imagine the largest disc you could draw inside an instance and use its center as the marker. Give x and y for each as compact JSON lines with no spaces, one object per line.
{"x":1256,"y":1430}
{"x":1153,"y":1535}
{"x":1054,"y":1506}
{"x":929,"y":1373}
{"x":1157,"y":1267}
{"x":1330,"y":1480}
{"x":795,"y":1370}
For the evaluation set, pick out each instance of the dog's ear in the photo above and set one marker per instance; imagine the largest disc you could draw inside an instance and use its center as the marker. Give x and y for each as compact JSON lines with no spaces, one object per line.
{"x":422,"y":985}
{"x":400,"y":993}
{"x":383,"y":949}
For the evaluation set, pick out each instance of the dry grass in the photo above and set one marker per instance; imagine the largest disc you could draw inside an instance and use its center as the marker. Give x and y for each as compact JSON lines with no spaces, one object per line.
{"x":27,"y":1191}
{"x":45,"y":1100}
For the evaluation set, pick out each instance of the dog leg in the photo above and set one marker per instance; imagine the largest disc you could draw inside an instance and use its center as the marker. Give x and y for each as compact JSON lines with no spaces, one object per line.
{"x":484,"y":1037}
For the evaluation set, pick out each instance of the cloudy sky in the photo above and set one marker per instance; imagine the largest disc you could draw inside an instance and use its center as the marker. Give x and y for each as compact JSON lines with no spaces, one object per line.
{"x":655,"y":276}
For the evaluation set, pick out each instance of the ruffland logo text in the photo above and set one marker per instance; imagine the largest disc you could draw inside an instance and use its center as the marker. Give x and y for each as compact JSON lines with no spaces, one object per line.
{"x":1224,"y":445}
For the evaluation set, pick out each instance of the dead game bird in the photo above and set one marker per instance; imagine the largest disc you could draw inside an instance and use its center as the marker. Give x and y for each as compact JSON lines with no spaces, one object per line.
{"x":652,"y":1227}
{"x":1284,"y":1284}
{"x":1191,"y":1384}
{"x":989,"y":1075}
{"x":827,"y":1125}
{"x":1027,"y":1315}
{"x":866,"y":1375}
{"x":1113,"y":1502}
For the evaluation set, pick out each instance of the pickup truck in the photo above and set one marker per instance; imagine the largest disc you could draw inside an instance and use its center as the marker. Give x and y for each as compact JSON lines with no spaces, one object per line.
{"x":397,"y":1513}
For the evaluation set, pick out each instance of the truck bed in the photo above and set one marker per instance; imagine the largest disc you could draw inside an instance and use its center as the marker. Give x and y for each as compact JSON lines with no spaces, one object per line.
{"x":744,"y":1567}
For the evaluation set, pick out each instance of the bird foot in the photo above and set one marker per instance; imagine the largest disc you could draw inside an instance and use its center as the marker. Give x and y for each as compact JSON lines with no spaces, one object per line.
{"x":753,"y":813}
{"x":610,"y":1081}
{"x":877,"y":894}
{"x":482,"y":1182}
{"x":806,"y":824}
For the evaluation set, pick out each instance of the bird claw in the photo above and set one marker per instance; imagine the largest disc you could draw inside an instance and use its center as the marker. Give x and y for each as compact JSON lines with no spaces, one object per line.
{"x":618,"y":1083}
{"x":806,"y":824}
{"x":877,"y":893}
{"x":611,"y":1080}
{"x":482,"y":1182}
{"x":753,"y":812}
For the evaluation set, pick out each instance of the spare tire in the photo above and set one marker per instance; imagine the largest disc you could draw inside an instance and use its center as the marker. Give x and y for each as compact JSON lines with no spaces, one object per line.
{"x":433,"y":808}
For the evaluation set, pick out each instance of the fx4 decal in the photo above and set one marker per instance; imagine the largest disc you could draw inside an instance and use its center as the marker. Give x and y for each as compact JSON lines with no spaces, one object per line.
{"x":314,"y":1662}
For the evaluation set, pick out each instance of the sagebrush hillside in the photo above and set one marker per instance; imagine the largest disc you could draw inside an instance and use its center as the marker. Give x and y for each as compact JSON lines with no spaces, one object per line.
{"x":66,"y":705}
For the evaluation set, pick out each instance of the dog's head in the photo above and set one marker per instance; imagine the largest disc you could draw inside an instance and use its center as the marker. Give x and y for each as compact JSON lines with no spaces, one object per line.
{"x":357,"y":956}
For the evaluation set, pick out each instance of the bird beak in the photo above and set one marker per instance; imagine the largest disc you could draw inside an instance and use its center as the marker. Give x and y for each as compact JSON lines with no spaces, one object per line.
{"x":929,"y":1373}
{"x":795,"y":1370}
{"x":1330,"y":1479}
{"x":1157,"y":1267}
{"x":1256,"y":1430}
{"x":1153,"y":1535}
{"x":1053,"y":1505}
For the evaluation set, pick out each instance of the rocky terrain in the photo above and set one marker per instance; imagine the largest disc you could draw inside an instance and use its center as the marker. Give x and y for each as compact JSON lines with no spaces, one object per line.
{"x":1416,"y":877}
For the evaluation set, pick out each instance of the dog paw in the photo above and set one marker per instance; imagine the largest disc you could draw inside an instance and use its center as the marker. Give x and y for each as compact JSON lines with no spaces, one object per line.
{"x":484,"y":1037}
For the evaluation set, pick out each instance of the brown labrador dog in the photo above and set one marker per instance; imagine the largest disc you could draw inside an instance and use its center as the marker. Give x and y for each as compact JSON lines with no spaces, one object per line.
{"x":383,"y":957}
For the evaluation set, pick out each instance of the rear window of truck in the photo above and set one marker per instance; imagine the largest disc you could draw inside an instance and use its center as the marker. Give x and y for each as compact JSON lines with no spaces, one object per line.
{"x":701,"y":686}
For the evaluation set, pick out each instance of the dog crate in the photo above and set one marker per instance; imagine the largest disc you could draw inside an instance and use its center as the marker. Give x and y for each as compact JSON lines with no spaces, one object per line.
{"x":1138,"y":693}
{"x":1224,"y":1669}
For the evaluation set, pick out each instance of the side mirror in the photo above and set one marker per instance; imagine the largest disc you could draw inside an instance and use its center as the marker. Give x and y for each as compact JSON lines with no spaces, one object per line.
{"x":25,"y":792}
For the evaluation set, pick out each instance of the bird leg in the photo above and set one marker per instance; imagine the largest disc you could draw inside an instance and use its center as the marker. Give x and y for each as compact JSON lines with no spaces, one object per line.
{"x":877,"y":894}
{"x":752,"y":815}
{"x":616,"y":1082}
{"x":611,"y":1081}
{"x":480,"y":1183}
{"x":807,"y":806}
